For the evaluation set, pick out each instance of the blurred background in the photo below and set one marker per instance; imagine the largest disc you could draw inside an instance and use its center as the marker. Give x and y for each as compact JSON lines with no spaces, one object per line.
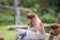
{"x":13,"y":12}
{"x":47,"y":10}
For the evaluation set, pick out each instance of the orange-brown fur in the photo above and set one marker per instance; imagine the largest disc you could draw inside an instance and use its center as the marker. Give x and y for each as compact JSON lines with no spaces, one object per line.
{"x":35,"y":23}
{"x":55,"y":30}
{"x":1,"y":38}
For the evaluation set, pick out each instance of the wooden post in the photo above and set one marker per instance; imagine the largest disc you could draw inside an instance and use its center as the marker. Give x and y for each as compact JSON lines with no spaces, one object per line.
{"x":17,"y":13}
{"x":58,"y":8}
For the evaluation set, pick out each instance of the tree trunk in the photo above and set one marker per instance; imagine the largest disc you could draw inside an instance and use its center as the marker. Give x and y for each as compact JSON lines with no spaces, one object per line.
{"x":58,"y":19}
{"x":17,"y":13}
{"x":58,"y":7}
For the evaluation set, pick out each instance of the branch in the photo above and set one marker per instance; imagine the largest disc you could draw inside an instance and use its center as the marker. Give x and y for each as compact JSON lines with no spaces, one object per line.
{"x":5,"y":6}
{"x":11,"y":7}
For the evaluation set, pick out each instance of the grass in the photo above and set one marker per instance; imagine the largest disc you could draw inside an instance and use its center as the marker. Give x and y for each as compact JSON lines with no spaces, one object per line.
{"x":9,"y":34}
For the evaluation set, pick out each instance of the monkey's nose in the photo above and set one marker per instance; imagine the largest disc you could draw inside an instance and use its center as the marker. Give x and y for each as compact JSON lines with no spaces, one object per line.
{"x":28,"y":24}
{"x":51,"y":33}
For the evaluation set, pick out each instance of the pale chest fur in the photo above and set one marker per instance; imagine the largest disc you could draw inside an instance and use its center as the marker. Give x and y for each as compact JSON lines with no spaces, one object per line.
{"x":57,"y":37}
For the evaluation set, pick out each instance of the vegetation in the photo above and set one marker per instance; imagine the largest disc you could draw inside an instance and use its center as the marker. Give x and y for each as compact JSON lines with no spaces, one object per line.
{"x":45,"y":9}
{"x":7,"y":35}
{"x":7,"y":17}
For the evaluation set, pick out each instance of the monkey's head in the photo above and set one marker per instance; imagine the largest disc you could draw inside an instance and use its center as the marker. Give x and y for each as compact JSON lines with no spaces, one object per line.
{"x":30,"y":18}
{"x":55,"y":29}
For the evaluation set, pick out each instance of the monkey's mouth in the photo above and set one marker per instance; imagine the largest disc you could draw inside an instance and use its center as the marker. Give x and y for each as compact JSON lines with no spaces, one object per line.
{"x":30,"y":25}
{"x":52,"y":33}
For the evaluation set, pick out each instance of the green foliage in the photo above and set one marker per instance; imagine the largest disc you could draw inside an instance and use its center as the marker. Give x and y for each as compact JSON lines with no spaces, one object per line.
{"x":6,"y":16}
{"x":48,"y":18}
{"x":23,"y":17}
{"x":45,"y":9}
{"x":6,"y":2}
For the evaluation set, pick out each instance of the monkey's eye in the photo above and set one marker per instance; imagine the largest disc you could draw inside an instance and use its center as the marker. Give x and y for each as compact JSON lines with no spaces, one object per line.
{"x":54,"y":27}
{"x":30,"y":17}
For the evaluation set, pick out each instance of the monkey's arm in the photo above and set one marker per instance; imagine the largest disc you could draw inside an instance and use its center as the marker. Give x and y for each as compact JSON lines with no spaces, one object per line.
{"x":40,"y":29}
{"x":58,"y":38}
{"x":22,"y":34}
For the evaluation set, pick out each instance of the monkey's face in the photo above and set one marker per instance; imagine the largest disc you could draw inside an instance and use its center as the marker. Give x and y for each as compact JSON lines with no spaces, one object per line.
{"x":55,"y":29}
{"x":30,"y":17}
